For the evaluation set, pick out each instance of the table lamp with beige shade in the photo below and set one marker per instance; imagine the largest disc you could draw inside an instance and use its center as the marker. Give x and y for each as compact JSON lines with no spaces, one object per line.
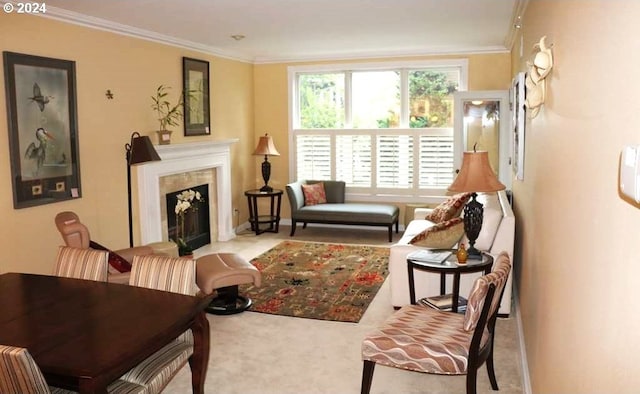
{"x":267,"y":148}
{"x":475,"y":176}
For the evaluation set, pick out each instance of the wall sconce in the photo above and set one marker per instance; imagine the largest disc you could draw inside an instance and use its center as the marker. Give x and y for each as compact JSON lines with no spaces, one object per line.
{"x":538,"y":70}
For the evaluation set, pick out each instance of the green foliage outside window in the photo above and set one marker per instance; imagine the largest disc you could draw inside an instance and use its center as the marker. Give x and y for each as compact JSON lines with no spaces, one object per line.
{"x":430,"y":102}
{"x":430,"y":99}
{"x":321,"y":101}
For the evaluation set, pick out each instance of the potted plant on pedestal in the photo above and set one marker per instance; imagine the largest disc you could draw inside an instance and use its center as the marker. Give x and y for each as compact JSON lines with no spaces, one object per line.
{"x":167,"y":114}
{"x":186,"y":213}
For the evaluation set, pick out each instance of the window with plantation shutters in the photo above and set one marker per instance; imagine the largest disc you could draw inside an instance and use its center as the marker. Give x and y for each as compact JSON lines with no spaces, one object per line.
{"x":436,"y":159}
{"x":353,"y":160}
{"x":383,"y":128}
{"x":313,"y":156}
{"x":395,"y":161}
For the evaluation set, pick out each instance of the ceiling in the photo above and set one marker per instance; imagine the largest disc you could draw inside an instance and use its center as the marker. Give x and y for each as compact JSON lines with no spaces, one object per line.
{"x":296,"y":30}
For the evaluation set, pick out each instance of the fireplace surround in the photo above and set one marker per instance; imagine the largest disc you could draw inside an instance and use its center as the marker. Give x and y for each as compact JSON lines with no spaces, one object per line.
{"x":183,"y":159}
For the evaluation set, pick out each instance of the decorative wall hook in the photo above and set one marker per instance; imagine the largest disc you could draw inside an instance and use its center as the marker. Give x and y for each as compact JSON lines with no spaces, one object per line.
{"x":538,"y":70}
{"x":109,"y":94}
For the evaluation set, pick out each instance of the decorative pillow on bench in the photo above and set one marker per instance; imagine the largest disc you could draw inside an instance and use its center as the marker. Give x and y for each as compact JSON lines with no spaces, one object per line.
{"x":449,"y":209}
{"x":314,"y":193}
{"x":441,"y":235}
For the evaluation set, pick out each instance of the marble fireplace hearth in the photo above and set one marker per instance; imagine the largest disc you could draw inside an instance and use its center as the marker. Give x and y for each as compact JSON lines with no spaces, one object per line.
{"x":191,"y":162}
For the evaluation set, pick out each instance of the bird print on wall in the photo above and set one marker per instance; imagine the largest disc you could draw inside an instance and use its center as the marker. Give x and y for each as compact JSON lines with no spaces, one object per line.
{"x":38,"y":150}
{"x":38,"y":98}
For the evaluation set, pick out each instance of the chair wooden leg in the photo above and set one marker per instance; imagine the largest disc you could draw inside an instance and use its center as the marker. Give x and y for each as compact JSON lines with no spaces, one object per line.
{"x":489,"y":361}
{"x":367,"y":376}
{"x":293,"y":227}
{"x":491,"y":371}
{"x":472,"y":374}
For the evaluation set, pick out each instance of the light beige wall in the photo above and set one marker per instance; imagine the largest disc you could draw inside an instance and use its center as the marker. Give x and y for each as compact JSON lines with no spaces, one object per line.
{"x":486,"y":72}
{"x":579,"y":268}
{"x":131,"y":69}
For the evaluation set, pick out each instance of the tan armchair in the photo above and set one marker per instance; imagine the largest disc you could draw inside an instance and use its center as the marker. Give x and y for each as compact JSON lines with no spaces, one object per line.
{"x":76,"y":235}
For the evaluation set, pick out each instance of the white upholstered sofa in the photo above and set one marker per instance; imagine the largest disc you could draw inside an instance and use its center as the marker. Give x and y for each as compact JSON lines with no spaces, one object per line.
{"x":497,"y":235}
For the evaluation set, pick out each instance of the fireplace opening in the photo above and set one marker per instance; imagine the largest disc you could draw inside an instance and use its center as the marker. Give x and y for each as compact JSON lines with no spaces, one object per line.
{"x":196,"y":230}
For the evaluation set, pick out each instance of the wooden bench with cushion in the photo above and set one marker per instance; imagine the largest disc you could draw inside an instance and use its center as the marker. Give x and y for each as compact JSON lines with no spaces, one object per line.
{"x":325,"y":203}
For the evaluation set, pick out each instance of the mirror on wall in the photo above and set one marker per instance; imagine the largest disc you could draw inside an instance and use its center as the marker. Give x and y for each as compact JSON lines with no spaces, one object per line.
{"x":482,"y":120}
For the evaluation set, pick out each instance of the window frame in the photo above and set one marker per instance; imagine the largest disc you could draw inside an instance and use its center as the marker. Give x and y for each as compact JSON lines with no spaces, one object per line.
{"x":373,"y":193}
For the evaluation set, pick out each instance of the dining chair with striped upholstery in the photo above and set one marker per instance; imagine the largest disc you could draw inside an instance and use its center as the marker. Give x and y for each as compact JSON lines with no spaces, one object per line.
{"x":19,"y":374}
{"x":89,"y":264}
{"x":176,"y":275}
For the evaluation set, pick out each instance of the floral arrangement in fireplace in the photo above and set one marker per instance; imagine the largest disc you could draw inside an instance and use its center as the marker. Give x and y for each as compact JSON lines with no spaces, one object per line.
{"x":188,"y":201}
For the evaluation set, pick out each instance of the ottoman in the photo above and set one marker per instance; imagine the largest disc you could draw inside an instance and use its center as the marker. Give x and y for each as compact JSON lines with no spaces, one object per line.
{"x":165,"y":248}
{"x":224,"y":272}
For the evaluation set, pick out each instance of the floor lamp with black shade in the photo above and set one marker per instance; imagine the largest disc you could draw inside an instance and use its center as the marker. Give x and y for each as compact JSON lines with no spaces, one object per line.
{"x":475,"y":176}
{"x":138,"y":150}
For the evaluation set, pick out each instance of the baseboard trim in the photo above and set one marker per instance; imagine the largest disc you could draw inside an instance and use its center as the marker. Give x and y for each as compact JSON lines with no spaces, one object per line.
{"x":287,"y":222}
{"x":524,"y":365}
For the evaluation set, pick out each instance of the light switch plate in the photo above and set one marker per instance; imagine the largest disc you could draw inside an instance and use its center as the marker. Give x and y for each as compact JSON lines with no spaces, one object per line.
{"x":630,"y":172}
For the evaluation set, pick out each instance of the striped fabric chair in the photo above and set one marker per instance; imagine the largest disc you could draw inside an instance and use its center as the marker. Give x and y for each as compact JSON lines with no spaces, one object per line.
{"x":423,"y":339}
{"x":19,"y":374}
{"x":175,"y":275}
{"x":77,"y":263}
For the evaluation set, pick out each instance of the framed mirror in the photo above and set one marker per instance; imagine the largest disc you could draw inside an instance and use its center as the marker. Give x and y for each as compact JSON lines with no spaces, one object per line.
{"x":482,"y":119}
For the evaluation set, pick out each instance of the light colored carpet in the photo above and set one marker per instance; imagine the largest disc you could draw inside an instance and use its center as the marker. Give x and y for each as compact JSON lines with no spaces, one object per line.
{"x":264,"y":354}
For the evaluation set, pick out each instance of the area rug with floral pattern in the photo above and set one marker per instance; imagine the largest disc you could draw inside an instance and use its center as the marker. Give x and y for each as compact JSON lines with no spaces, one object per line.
{"x":318,"y":280}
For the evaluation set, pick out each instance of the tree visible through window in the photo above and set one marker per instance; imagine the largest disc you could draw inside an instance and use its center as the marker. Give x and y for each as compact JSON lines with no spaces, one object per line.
{"x":363,"y":127}
{"x":321,"y":101}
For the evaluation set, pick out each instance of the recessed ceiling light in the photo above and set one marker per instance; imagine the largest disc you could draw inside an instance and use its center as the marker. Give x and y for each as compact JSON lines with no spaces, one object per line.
{"x":237,"y":37}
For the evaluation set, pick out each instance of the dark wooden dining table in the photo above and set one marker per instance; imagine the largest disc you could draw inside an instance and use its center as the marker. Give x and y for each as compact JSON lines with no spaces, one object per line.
{"x":85,"y":334}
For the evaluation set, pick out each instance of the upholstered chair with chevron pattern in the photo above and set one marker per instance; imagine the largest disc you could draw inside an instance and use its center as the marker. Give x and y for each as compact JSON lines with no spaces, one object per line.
{"x":89,"y":264}
{"x":176,"y":275}
{"x":422,"y":339}
{"x":19,"y":374}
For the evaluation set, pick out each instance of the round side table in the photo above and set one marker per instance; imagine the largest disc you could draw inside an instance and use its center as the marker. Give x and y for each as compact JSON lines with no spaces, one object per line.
{"x":273,"y":218}
{"x":449,"y":266}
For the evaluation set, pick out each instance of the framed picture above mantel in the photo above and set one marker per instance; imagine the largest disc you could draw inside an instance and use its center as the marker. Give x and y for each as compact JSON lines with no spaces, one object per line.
{"x":43,"y":129}
{"x":195,"y":74}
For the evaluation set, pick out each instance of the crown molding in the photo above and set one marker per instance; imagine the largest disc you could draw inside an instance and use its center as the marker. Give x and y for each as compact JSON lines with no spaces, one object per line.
{"x":518,"y":12}
{"x":384,"y":55}
{"x":118,"y":28}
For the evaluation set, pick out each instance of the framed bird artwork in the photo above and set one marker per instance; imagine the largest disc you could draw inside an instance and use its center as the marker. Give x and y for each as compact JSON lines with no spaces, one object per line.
{"x":43,"y":129}
{"x":195,"y":80}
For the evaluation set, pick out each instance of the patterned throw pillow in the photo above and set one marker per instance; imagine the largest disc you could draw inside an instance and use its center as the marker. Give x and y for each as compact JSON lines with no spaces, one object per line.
{"x":314,"y":194}
{"x":449,"y":209}
{"x":441,"y":235}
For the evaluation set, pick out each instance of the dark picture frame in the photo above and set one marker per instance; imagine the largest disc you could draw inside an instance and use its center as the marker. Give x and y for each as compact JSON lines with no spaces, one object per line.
{"x":195,"y":77}
{"x":43,"y":129}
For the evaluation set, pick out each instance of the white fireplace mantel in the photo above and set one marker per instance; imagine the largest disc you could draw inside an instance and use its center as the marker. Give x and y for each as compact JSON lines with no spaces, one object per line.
{"x":177,"y":159}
